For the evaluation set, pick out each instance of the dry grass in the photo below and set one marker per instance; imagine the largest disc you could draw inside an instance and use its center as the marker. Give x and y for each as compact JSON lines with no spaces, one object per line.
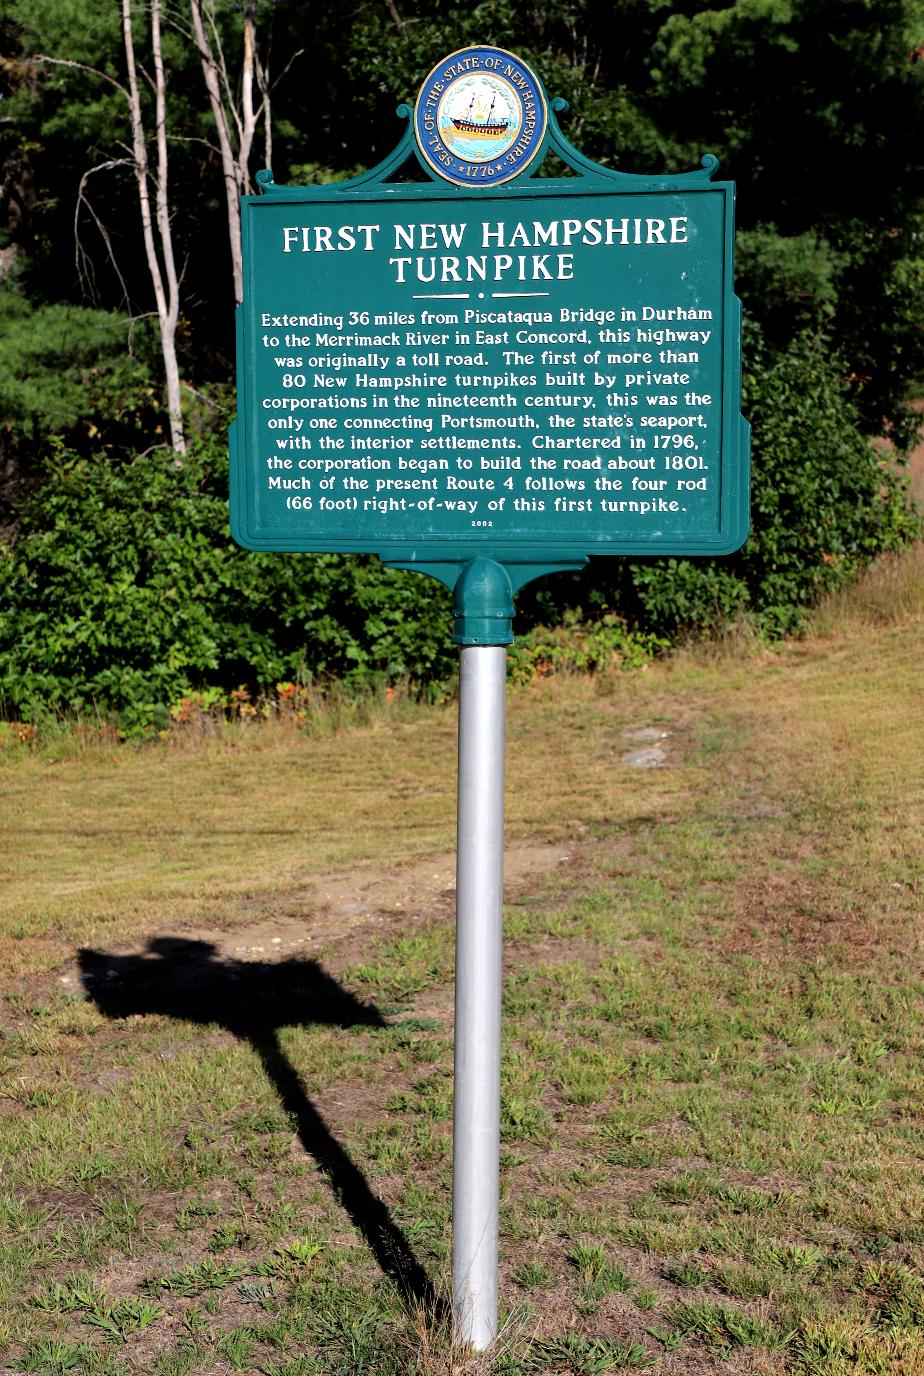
{"x":712,"y":1156}
{"x":890,"y":590}
{"x":100,"y":841}
{"x":108,"y":841}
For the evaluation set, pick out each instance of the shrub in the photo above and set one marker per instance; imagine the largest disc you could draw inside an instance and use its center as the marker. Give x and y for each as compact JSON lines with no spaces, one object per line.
{"x":824,"y":504}
{"x":580,"y":647}
{"x":73,"y":370}
{"x":123,"y":589}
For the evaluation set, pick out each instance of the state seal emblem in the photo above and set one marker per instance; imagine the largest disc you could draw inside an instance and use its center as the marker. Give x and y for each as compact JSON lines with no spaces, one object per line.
{"x":480,"y":117}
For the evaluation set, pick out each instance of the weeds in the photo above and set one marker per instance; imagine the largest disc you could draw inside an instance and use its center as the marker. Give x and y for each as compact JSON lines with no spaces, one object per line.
{"x":721,"y":1327}
{"x":532,"y":1275}
{"x":198,"y":1279}
{"x":598,"y":1272}
{"x":585,"y":1356}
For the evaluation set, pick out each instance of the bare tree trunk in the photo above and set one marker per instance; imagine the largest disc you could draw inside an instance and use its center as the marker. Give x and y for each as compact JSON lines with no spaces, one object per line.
{"x":165,"y":232}
{"x":261,"y":71}
{"x":248,"y":121}
{"x":230,"y":165}
{"x":266,"y":93}
{"x":234,"y":163}
{"x":235,"y":120}
{"x":167,"y":297}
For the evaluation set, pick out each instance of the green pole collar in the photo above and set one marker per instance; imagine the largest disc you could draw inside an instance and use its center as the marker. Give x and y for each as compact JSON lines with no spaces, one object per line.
{"x":482,"y":603}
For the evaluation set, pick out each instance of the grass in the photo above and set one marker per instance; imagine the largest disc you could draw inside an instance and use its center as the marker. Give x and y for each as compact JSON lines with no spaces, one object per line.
{"x":712,"y":1150}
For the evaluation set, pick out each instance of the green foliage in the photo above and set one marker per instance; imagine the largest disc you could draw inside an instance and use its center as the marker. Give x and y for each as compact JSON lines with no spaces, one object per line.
{"x":580,"y":647}
{"x":71,"y":369}
{"x":582,"y":1356}
{"x":877,"y":327}
{"x":688,"y":1273}
{"x":77,"y":1293}
{"x":898,"y":1292}
{"x":721,"y":1327}
{"x":49,"y":1357}
{"x":813,"y":109}
{"x":823,"y":503}
{"x":197,"y":1279}
{"x":123,"y":592}
{"x":682,"y":596}
{"x":598,"y":1272}
{"x":788,"y":282}
{"x":532,"y":1274}
{"x":122,"y":589}
{"x":128,"y":1316}
{"x":80,"y":1294}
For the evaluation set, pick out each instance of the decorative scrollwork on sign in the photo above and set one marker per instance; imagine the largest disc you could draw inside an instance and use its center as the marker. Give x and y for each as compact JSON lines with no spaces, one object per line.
{"x":488,"y":346}
{"x":553,"y":140}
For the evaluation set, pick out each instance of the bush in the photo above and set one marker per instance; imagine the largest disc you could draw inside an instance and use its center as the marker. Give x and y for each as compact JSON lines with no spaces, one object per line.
{"x":580,"y":647}
{"x":73,"y":370}
{"x":824,"y":503}
{"x":123,"y":589}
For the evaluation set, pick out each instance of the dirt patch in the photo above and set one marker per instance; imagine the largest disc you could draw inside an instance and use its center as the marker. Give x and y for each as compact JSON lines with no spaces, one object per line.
{"x":356,"y":902}
{"x":780,"y":913}
{"x":60,"y":1203}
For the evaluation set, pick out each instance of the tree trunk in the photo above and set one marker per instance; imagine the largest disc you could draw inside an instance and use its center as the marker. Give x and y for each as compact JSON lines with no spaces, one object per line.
{"x":236,"y":118}
{"x":234,"y":163}
{"x":167,"y":297}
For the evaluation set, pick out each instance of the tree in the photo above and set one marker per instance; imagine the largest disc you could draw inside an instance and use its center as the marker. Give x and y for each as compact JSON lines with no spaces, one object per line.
{"x":232,"y":118}
{"x":813,"y":108}
{"x":161,"y":267}
{"x":159,"y":253}
{"x":234,"y":111}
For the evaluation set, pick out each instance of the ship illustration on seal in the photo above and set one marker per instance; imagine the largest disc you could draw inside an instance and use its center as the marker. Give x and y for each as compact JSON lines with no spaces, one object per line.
{"x":479,"y":117}
{"x":468,"y":126}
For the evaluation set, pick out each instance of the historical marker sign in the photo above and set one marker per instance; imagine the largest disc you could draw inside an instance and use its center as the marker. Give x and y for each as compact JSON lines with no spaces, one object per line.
{"x":488,"y":376}
{"x":522,"y":369}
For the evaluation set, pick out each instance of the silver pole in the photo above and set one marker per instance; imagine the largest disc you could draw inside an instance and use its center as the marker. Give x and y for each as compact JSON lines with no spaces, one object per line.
{"x":479,"y":898}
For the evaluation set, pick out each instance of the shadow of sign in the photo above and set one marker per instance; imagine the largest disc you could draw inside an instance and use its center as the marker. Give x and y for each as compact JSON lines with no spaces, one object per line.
{"x":188,"y":980}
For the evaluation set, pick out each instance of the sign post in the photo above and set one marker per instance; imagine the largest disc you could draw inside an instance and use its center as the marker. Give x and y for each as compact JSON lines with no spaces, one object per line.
{"x":479,"y":900}
{"x":487,"y":376}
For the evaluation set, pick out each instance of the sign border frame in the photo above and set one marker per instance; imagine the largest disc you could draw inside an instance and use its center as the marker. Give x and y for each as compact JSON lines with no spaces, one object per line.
{"x":592,"y":180}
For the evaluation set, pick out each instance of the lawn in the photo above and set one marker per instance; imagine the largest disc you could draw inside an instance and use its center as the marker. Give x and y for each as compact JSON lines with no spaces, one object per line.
{"x":227,"y":1029}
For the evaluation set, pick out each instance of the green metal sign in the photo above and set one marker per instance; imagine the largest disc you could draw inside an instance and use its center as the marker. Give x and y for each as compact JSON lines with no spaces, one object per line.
{"x":528,"y":372}
{"x":488,"y":376}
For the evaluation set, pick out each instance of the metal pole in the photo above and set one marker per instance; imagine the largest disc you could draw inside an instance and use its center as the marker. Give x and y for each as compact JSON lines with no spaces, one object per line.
{"x":479,"y":898}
